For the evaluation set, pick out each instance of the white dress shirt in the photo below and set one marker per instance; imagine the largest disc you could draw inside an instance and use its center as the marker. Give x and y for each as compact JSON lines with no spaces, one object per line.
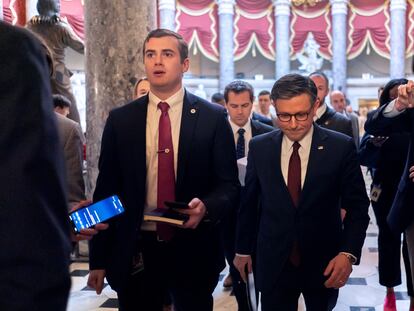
{"x":247,"y":134}
{"x":304,"y":151}
{"x":319,"y":112}
{"x":153,"y":116}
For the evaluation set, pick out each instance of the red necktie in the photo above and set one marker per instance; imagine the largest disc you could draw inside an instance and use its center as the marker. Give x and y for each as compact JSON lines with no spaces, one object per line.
{"x":295,"y":187}
{"x":166,"y":174}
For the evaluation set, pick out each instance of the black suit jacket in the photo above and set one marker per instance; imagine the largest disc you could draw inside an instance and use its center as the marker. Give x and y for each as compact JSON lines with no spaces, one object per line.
{"x":402,"y":211}
{"x":258,"y":117}
{"x":260,"y":128}
{"x":316,"y":223}
{"x":336,"y":122}
{"x":206,"y":168}
{"x":34,"y":239}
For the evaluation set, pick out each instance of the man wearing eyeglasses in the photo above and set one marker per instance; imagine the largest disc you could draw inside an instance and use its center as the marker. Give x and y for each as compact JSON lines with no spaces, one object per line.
{"x":299,"y":174}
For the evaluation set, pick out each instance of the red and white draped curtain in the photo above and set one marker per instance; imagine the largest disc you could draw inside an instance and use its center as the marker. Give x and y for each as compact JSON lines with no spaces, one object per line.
{"x":254,"y":26}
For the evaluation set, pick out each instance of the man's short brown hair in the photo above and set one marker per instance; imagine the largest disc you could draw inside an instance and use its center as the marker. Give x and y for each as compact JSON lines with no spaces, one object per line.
{"x":160,"y":33}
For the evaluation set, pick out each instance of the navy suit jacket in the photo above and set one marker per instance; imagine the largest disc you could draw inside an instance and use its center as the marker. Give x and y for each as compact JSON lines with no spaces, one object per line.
{"x":333,"y":176}
{"x":334,"y":121}
{"x":260,"y":128}
{"x":206,"y":168}
{"x":402,"y":211}
{"x":34,"y":239}
{"x":258,"y":117}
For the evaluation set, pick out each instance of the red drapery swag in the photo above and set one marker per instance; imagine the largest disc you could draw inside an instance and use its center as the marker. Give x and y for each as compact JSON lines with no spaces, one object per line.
{"x":254,"y":26}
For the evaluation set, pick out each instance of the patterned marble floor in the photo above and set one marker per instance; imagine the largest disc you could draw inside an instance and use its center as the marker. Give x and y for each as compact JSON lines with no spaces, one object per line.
{"x":361,"y":293}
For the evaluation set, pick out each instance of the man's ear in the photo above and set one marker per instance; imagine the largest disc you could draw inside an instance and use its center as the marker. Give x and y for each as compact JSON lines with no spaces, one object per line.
{"x":186,"y":65}
{"x":317,"y":104}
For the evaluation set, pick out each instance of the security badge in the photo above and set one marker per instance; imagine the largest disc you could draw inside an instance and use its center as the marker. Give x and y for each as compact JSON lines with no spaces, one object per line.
{"x":375,"y":193}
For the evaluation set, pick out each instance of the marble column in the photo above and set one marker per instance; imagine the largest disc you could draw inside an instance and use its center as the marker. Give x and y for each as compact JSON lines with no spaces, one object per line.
{"x":31,"y":9}
{"x":226,"y":12}
{"x":339,"y":31}
{"x":166,"y":9}
{"x":397,"y":43}
{"x":282,"y":35}
{"x":115,"y":32}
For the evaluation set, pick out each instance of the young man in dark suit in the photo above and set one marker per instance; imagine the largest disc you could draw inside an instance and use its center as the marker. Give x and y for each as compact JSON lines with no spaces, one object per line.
{"x":239,"y":97}
{"x":167,"y":146}
{"x":398,"y":117}
{"x":300,"y":173}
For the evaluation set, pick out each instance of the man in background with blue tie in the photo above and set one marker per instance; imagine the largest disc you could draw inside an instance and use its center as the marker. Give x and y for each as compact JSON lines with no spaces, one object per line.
{"x":299,"y":174}
{"x":169,"y":145}
{"x":239,"y":96}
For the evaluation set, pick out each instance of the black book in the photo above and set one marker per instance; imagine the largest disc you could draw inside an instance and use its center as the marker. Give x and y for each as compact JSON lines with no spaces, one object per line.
{"x":166,"y":215}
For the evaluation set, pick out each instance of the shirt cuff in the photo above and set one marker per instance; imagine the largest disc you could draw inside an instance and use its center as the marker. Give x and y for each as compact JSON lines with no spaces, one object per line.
{"x":242,"y":255}
{"x":352,"y":258}
{"x":390,"y":111}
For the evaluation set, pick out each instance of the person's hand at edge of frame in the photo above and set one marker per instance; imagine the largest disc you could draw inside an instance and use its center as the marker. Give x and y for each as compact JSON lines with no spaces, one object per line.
{"x":86,"y":234}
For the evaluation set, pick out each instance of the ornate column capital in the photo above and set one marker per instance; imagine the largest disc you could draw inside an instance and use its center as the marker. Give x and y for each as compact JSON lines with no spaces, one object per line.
{"x":282,"y":7}
{"x":339,"y":6}
{"x":226,"y":6}
{"x":166,"y":5}
{"x":398,"y":5}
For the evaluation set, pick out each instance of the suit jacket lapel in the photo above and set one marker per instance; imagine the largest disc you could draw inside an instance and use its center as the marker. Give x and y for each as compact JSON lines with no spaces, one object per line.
{"x":139,"y":129}
{"x":188,"y":122}
{"x":275,"y":153}
{"x":316,"y":151}
{"x":254,"y":128}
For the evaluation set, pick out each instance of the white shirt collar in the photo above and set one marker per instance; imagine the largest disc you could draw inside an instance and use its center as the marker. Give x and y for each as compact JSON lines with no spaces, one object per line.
{"x":320,"y":111}
{"x":305,"y":142}
{"x":247,"y":127}
{"x":173,"y":101}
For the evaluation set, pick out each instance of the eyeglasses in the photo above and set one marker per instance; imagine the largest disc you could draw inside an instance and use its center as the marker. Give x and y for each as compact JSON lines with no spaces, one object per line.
{"x":300,"y":116}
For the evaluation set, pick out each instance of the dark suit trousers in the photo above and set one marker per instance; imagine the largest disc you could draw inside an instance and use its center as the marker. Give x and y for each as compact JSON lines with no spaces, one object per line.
{"x":229,"y":239}
{"x":389,"y":248}
{"x":146,"y":290}
{"x":292,"y":282}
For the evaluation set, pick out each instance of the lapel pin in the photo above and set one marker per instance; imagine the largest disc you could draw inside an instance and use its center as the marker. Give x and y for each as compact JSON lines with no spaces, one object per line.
{"x":193,"y":111}
{"x":320,"y":147}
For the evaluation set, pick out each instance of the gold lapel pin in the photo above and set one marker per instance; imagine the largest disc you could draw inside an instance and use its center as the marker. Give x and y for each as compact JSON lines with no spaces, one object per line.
{"x":193,"y":111}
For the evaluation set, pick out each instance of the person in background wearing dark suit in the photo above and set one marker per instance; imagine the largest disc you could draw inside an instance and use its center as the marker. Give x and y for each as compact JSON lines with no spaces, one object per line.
{"x":258,"y":117}
{"x":397,"y":117}
{"x":218,"y":98}
{"x":326,"y":116}
{"x":386,"y":155}
{"x":169,"y":145}
{"x":239,"y":97}
{"x":338,"y":102}
{"x":34,"y":238}
{"x":301,"y":243}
